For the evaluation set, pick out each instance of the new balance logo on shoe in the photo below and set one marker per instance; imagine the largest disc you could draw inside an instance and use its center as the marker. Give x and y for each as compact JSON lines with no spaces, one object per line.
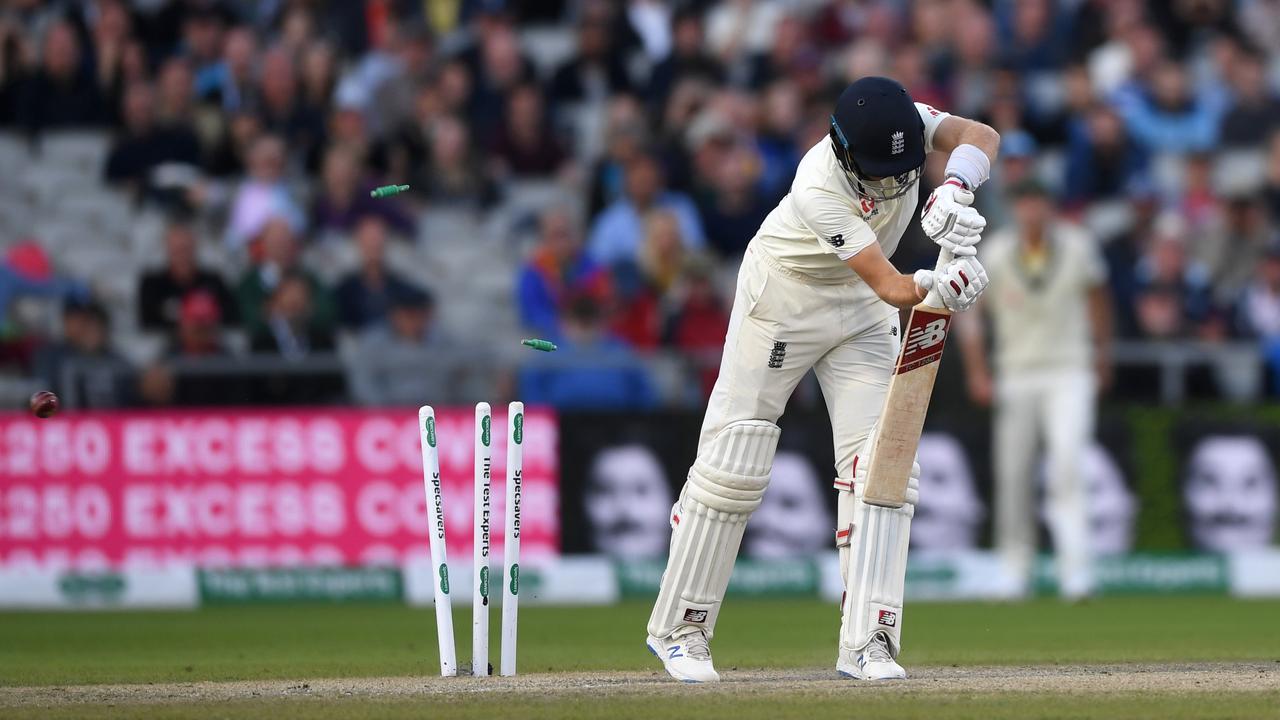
{"x":675,"y":652}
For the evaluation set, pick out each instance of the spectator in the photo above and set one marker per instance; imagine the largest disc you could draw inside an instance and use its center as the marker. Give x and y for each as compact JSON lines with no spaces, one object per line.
{"x":27,"y":272}
{"x":203,"y":35}
{"x":1169,"y":115}
{"x":453,"y":175}
{"x":616,"y":234}
{"x":197,"y":339}
{"x":344,"y":200}
{"x":174,"y":95}
{"x":555,"y":271}
{"x":118,"y":58}
{"x":282,"y":110}
{"x":59,"y":94}
{"x":525,"y":145}
{"x":294,"y":330}
{"x":625,"y":136}
{"x":230,"y":82}
{"x":1101,"y":160}
{"x":787,"y":59}
{"x":319,"y":77}
{"x":643,"y":284}
{"x":697,"y":322}
{"x":1260,"y":301}
{"x":389,"y":371}
{"x":263,"y":195}
{"x":162,"y":292}
{"x":1031,"y":43}
{"x":1174,"y":297}
{"x":739,"y":28}
{"x":777,"y":145}
{"x":595,"y":72}
{"x":1254,"y":110}
{"x":142,"y":146}
{"x":279,"y":259}
{"x":730,"y":207}
{"x":198,"y":330}
{"x":1271,"y":170}
{"x":689,"y":59}
{"x":499,"y":67}
{"x":291,"y":327}
{"x":365,"y":296}
{"x":1237,"y":246}
{"x":592,"y":369}
{"x":82,"y":367}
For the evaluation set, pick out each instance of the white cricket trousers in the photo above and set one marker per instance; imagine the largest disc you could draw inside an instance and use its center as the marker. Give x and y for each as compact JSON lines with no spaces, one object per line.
{"x":1053,"y":409}
{"x":782,"y":325}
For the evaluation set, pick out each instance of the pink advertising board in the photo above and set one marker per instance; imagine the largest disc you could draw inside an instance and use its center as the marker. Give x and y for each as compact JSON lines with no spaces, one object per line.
{"x":231,"y":488}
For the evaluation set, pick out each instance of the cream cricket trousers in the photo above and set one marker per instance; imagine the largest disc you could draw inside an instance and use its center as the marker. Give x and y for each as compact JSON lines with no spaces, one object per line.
{"x":1053,"y":409}
{"x":782,"y":325}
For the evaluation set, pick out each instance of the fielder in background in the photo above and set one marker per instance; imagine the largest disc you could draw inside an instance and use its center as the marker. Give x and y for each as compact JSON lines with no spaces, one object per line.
{"x":1051,"y":322}
{"x":816,"y":291}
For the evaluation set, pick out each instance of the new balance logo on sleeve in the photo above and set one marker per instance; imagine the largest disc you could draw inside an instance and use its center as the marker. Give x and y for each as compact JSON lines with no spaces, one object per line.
{"x":837,"y":241}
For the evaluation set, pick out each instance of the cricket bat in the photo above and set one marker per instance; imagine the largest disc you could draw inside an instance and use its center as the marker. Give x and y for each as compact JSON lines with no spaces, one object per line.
{"x":893,"y":449}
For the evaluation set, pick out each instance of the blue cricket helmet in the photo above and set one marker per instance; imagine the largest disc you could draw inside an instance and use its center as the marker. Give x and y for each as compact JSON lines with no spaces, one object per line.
{"x":878,"y":137}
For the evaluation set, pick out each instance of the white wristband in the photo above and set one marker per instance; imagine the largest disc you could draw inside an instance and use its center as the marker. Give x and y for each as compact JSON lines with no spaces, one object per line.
{"x":970,"y":164}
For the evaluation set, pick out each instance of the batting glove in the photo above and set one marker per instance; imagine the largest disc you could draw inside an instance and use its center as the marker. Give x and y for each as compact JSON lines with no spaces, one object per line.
{"x":959,"y":282}
{"x":950,"y":221}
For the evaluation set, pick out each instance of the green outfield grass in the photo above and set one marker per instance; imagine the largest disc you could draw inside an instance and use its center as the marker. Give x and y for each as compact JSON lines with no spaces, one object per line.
{"x":256,"y":642}
{"x":323,"y":641}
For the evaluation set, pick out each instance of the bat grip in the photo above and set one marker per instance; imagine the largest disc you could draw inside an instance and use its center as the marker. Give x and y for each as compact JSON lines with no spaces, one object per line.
{"x":933,"y":299}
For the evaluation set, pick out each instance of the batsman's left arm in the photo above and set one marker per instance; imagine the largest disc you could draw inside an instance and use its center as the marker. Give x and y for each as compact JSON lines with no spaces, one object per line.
{"x":955,"y":132}
{"x":949,"y":218}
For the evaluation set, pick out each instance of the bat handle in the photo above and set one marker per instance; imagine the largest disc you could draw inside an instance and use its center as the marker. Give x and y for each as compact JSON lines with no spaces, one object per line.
{"x":933,"y":299}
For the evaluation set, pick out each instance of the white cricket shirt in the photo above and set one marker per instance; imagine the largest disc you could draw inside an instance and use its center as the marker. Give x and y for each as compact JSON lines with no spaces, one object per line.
{"x":823,"y":221}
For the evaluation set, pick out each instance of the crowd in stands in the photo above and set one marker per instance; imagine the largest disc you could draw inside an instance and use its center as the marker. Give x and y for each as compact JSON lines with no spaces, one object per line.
{"x":670,"y":128}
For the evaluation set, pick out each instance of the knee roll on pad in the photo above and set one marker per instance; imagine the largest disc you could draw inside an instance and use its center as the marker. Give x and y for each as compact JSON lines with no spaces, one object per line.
{"x":725,"y":485}
{"x":732,"y":471}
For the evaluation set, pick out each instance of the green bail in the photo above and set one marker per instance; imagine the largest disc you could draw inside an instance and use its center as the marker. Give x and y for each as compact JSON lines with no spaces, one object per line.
{"x":543,"y":345}
{"x":387,"y":191}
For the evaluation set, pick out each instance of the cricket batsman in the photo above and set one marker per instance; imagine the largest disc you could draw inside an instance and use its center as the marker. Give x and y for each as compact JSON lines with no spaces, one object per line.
{"x":816,"y":290}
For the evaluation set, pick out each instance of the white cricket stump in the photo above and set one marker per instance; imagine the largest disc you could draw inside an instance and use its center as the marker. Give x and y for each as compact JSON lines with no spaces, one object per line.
{"x":511,"y":550}
{"x":480,"y":542}
{"x":439,"y":556}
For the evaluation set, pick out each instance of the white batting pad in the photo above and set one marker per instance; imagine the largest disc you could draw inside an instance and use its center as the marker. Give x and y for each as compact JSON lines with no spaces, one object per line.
{"x":874,"y":565}
{"x":725,"y":485}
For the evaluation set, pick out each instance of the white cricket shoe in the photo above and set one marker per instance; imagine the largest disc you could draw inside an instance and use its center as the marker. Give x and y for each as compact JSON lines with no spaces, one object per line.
{"x":873,"y":663}
{"x":686,"y":656}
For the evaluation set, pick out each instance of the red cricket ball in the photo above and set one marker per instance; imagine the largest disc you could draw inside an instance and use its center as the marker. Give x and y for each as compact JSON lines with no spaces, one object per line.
{"x":44,"y":404}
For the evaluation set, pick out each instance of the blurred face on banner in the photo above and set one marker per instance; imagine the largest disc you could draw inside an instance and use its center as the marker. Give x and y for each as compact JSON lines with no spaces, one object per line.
{"x":1230,"y":493}
{"x":628,"y":503}
{"x":792,"y":520}
{"x":1109,"y":503}
{"x":950,"y":512}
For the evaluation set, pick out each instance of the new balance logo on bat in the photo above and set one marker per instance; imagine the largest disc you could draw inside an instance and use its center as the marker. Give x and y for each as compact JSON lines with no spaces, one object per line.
{"x":925,"y":337}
